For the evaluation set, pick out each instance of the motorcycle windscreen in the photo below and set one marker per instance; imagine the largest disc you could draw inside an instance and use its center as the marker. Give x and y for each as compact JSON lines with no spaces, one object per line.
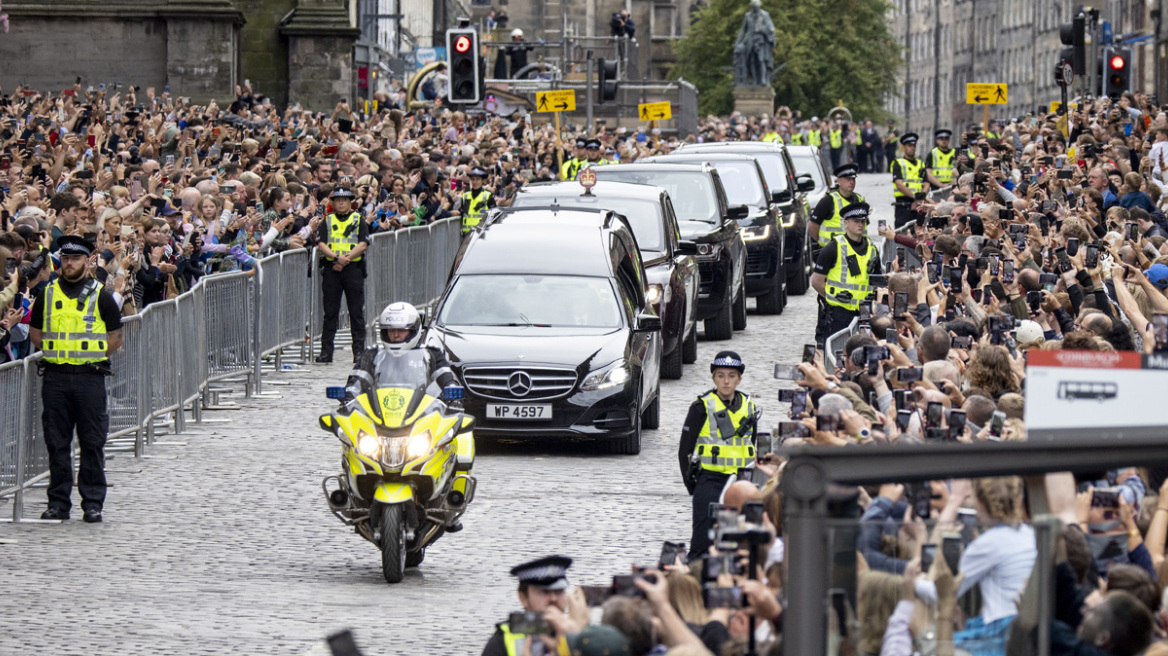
{"x":401,"y":383}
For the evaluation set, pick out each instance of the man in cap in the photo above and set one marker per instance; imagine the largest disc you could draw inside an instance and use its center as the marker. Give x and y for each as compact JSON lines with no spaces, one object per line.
{"x":908,"y":178}
{"x":717,"y":439}
{"x":77,"y":323}
{"x":342,"y":239}
{"x":476,"y":201}
{"x":826,"y":224}
{"x":825,"y":219}
{"x":571,"y":165}
{"x":843,"y":268}
{"x":1158,"y":275}
{"x":543,"y":586}
{"x":940,"y":162}
{"x":592,"y":155}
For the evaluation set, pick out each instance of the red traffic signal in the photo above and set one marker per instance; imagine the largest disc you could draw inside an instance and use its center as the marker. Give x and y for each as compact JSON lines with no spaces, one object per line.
{"x":1116,"y":62}
{"x":463,"y":66}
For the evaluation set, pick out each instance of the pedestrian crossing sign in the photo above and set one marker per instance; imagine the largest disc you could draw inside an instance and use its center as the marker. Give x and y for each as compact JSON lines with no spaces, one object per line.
{"x":977,"y":93}
{"x":657,"y":111}
{"x":562,"y":100}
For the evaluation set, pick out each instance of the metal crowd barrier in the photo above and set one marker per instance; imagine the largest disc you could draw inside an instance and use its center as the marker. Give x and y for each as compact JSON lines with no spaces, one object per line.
{"x":836,"y":343}
{"x":221,"y":329}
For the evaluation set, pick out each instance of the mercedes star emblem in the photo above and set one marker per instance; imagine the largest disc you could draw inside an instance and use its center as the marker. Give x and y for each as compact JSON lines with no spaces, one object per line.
{"x":519,"y":383}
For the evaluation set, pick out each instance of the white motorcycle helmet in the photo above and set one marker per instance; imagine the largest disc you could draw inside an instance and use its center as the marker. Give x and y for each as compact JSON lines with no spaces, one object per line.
{"x":517,"y":33}
{"x":400,"y":316}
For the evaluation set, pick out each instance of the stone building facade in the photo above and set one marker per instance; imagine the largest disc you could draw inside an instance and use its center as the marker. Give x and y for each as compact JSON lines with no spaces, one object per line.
{"x":950,"y":43}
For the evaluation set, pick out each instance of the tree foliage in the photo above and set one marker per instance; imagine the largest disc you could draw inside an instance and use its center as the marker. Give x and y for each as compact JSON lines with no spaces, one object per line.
{"x":833,"y":50}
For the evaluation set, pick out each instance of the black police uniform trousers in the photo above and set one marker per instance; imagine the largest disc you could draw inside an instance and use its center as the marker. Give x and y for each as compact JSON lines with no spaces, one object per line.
{"x":75,"y":399}
{"x":837,"y":318}
{"x":708,"y":490}
{"x":822,"y":318}
{"x":349,"y":281}
{"x":903,"y":214}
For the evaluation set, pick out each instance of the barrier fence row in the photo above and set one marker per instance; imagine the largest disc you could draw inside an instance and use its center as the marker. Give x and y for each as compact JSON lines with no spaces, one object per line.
{"x":220,"y":330}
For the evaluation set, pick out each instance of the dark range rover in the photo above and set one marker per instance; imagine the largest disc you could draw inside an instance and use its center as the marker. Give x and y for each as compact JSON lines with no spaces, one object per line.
{"x":746,"y":188}
{"x":704,"y":219}
{"x":787,"y":187}
{"x":546,"y":322}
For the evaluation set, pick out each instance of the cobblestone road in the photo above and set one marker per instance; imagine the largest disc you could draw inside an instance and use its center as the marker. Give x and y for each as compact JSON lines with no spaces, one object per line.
{"x":224,"y":544}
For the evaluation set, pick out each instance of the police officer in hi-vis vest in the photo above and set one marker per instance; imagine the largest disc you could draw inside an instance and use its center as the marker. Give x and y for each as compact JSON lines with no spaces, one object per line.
{"x":592,"y":155}
{"x":571,"y":164}
{"x":543,"y":585}
{"x":475,"y":202}
{"x":77,"y":324}
{"x":717,"y":440}
{"x":842,"y":271}
{"x":941,"y":162}
{"x":343,"y":238}
{"x":826,"y":224}
{"x":908,"y":177}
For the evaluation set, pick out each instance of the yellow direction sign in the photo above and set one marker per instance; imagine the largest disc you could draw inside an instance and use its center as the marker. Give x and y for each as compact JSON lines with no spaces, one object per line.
{"x":563,"y":100}
{"x":985,"y":94}
{"x":658,"y":111}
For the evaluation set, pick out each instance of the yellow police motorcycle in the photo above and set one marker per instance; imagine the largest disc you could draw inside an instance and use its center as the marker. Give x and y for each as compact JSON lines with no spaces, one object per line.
{"x":408,"y":452}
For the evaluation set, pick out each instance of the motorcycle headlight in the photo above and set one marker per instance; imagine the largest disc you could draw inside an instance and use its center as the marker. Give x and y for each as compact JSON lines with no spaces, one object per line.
{"x":755,"y":233}
{"x":368,"y":445}
{"x":609,"y":377}
{"x":418,"y":446}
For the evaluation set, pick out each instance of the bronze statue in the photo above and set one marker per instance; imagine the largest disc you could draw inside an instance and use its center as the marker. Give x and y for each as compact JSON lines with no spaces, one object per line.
{"x":754,"y":50}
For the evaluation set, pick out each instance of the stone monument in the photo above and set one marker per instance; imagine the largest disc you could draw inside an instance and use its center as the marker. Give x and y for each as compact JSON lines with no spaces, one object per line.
{"x":754,"y":63}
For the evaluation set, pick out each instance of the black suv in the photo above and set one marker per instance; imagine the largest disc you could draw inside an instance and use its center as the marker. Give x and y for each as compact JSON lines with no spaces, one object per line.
{"x":707,"y":229}
{"x":758,"y":219}
{"x":546,"y":322}
{"x":788,"y":189}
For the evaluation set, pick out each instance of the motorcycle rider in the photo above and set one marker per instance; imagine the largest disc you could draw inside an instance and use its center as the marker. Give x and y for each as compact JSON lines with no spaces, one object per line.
{"x":400,"y":328}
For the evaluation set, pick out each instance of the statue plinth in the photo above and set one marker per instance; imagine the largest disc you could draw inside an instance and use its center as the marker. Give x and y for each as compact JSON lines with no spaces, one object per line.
{"x":754,"y":101}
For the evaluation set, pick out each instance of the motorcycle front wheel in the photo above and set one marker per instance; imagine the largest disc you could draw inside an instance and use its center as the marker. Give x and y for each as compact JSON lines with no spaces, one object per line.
{"x":393,"y":543}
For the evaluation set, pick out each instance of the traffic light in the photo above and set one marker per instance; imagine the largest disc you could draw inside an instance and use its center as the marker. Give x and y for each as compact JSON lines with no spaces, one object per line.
{"x":463,"y":66}
{"x":1116,"y":71}
{"x":605,"y":80}
{"x":1073,"y":34}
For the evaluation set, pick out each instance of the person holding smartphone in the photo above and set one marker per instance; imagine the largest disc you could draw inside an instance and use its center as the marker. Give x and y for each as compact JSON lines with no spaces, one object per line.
{"x":717,"y":439}
{"x":543,"y":590}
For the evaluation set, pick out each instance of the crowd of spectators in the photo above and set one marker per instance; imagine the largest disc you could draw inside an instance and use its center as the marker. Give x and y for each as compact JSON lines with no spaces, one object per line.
{"x":170,"y":191}
{"x":1052,"y":238}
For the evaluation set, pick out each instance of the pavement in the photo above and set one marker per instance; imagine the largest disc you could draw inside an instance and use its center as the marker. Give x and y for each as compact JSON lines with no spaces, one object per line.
{"x":221,"y":540}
